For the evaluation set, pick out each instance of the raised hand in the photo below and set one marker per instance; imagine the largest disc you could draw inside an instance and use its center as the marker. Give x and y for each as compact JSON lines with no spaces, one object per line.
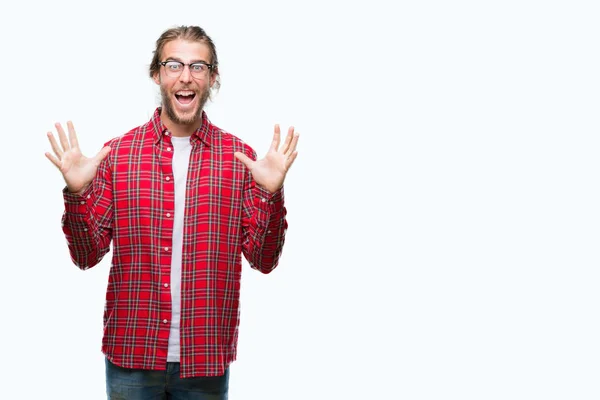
{"x":269,"y":172}
{"x":78,"y":170}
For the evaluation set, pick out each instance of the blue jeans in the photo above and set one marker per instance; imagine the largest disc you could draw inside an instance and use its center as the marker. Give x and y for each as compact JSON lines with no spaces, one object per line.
{"x":144,"y":384}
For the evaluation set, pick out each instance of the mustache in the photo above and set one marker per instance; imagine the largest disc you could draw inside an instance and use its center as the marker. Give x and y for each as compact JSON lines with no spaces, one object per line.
{"x":185,"y":88}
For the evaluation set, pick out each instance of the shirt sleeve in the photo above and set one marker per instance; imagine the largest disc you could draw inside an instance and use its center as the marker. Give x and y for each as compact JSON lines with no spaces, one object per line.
{"x":88,"y":219}
{"x":264,"y":226}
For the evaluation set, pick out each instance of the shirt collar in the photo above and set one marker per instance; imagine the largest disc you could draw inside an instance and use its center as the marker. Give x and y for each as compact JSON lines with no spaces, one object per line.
{"x":203,"y":133}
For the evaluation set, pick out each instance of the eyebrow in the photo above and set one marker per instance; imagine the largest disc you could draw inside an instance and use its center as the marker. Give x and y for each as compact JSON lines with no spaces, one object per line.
{"x":192,"y":62}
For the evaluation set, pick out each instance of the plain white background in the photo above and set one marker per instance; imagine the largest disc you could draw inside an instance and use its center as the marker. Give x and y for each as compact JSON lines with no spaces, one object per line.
{"x":443,"y":210}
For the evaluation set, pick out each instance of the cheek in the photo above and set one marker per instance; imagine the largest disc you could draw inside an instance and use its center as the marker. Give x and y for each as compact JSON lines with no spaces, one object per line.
{"x":164,"y":81}
{"x":166,"y":85}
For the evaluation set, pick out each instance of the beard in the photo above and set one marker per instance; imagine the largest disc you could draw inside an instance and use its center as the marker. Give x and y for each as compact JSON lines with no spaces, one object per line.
{"x":188,"y":118}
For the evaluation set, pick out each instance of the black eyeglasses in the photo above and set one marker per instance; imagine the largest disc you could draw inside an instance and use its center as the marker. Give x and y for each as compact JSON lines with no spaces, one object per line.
{"x":175,"y":68}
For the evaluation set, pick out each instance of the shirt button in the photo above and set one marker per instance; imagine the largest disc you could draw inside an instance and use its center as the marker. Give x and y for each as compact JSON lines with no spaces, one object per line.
{"x":268,"y":231}
{"x":168,"y":178}
{"x":168,"y":149}
{"x":85,"y":229}
{"x":88,"y":196}
{"x":168,"y":215}
{"x":166,"y":285}
{"x":164,"y":321}
{"x":263,"y":199}
{"x":82,"y":202}
{"x":166,"y":249}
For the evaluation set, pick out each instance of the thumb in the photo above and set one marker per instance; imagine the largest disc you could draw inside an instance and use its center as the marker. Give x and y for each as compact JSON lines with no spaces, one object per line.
{"x":247,"y":161}
{"x":102,"y":154}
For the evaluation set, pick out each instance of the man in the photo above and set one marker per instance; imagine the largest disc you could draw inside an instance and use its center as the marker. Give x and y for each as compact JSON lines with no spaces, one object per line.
{"x":181,"y":200}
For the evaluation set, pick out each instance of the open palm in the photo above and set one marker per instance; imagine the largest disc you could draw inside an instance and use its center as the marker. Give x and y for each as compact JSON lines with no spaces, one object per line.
{"x":270,"y":171}
{"x":78,"y":170}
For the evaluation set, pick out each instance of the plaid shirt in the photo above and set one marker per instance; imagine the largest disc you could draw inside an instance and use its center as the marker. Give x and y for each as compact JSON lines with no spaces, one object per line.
{"x":131,"y":202}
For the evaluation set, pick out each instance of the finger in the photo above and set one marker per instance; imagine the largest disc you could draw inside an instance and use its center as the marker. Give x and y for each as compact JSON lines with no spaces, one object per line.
{"x":72,"y":135}
{"x":53,"y":159}
{"x":293,"y":145}
{"x":247,"y":161}
{"x":62,"y":137}
{"x":54,"y":145}
{"x":288,"y":140}
{"x":290,"y":160}
{"x":102,"y":155}
{"x":276,"y":138}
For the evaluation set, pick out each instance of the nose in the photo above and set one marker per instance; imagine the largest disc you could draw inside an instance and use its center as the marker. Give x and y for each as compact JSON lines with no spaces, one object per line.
{"x":186,"y":75}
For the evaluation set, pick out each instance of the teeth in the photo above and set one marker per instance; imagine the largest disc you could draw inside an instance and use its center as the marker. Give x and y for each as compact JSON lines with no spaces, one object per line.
{"x":184,"y":93}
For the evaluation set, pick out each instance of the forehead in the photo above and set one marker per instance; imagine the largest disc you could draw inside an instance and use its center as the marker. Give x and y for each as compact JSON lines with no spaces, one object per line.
{"x":186,"y":51}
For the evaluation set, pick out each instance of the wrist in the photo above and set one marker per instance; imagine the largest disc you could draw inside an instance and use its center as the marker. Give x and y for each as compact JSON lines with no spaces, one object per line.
{"x":78,"y":191}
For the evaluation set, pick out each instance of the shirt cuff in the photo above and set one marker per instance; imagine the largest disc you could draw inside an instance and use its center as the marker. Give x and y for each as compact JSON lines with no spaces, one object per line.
{"x":267,"y":201}
{"x":78,"y":203}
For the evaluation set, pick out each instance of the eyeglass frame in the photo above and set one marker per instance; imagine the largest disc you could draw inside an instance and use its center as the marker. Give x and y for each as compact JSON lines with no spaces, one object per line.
{"x":164,"y":63}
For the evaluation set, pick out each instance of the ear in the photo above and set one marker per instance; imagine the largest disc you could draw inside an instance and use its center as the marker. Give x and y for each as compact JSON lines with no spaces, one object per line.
{"x":156,"y":77}
{"x":213,"y":76}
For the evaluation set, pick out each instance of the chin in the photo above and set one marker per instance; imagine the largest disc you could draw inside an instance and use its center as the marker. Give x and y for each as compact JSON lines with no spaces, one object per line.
{"x":183,"y":118}
{"x":187,"y":118}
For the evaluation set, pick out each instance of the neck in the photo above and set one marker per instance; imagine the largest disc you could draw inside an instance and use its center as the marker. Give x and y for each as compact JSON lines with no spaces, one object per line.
{"x":178,"y":129}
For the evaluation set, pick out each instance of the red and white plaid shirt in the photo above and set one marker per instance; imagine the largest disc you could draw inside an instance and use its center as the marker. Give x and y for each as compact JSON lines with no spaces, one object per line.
{"x":131,"y":201}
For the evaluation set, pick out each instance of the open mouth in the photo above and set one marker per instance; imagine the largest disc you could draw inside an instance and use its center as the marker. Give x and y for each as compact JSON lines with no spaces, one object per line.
{"x":185,"y":97}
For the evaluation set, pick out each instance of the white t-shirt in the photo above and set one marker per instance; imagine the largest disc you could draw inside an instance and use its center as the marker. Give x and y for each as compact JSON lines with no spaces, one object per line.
{"x":181,"y":160}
